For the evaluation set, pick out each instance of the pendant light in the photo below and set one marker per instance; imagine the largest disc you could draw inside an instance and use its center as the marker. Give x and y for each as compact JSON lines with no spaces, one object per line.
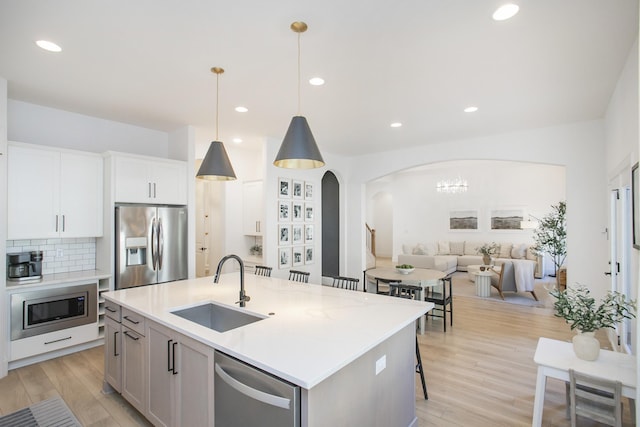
{"x":216,"y":165}
{"x":299,"y":149}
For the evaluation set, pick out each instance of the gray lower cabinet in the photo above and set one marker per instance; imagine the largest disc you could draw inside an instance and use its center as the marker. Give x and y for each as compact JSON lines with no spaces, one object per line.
{"x":113,"y":353}
{"x":134,"y":356}
{"x":180,"y":372}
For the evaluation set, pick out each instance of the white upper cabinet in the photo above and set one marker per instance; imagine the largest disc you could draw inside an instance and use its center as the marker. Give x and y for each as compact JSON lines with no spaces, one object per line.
{"x":149,"y":180}
{"x":53,"y":193}
{"x":252,"y":208}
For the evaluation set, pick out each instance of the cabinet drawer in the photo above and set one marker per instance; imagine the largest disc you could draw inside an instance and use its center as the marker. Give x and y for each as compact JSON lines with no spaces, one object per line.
{"x":133,"y":321}
{"x":51,"y":341}
{"x":113,"y":311}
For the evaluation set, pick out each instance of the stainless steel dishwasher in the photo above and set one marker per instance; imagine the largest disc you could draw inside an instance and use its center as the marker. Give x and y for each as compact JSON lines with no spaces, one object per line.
{"x":246,"y":396}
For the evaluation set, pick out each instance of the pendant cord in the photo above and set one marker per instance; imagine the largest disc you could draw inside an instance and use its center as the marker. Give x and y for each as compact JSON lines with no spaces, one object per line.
{"x":299,"y":74}
{"x":217,"y":95}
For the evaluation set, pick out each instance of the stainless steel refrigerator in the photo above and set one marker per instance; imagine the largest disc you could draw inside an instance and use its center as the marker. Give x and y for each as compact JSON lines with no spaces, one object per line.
{"x":151,"y":244}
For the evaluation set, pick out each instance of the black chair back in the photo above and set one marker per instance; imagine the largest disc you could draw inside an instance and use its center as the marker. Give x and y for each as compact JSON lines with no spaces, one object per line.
{"x":262,"y":270}
{"x":349,"y":283}
{"x":299,"y":276}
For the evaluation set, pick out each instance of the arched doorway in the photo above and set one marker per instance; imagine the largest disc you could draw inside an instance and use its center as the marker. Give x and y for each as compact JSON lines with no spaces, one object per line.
{"x":330,"y":225}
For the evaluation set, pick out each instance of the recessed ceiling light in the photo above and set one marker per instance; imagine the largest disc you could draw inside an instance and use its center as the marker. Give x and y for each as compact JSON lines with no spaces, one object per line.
{"x":50,"y":46}
{"x":242,"y":109}
{"x":316,"y":81}
{"x":471,"y":109}
{"x":396,"y":125}
{"x":237,"y":140}
{"x":505,"y":11}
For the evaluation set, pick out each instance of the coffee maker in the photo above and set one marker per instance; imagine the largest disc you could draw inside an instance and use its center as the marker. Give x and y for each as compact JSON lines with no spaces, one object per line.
{"x":24,"y":266}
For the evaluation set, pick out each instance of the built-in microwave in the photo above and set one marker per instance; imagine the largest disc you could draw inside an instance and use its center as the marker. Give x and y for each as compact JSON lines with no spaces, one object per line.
{"x":47,"y":310}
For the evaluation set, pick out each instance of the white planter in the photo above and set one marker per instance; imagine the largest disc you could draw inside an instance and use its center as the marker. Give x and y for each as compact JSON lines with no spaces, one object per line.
{"x":586,"y":345}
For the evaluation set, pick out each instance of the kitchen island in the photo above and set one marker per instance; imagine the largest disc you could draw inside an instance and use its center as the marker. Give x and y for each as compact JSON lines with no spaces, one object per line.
{"x":351,"y":353}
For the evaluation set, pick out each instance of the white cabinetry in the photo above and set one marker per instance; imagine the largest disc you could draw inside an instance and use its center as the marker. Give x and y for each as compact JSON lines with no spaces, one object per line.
{"x":141,"y":179}
{"x":252,"y":208}
{"x":53,"y":193}
{"x":180,"y":379}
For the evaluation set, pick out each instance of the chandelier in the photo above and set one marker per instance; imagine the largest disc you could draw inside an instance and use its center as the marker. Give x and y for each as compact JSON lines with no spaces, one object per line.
{"x":452,"y":186}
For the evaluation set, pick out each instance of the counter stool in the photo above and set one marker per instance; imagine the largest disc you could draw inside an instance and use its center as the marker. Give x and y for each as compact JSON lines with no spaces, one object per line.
{"x":401,"y":290}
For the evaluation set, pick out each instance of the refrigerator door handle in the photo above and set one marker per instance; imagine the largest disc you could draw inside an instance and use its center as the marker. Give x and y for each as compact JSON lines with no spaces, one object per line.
{"x":154,"y":254}
{"x":160,"y":243}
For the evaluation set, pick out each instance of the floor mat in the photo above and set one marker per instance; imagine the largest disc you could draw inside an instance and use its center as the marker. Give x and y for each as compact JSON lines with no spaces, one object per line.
{"x":47,"y":413}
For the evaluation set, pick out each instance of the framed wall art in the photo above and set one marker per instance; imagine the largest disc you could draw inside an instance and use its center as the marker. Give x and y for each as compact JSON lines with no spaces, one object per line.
{"x":308,"y":233}
{"x":463,"y":220}
{"x":297,"y":212}
{"x":506,"y":219}
{"x":284,"y":188}
{"x":298,"y":255}
{"x":284,"y":257}
{"x":308,"y":255}
{"x":308,"y":190}
{"x":308,"y":212}
{"x":284,"y":237}
{"x":284,"y":210}
{"x":297,"y":190}
{"x":297,"y":234}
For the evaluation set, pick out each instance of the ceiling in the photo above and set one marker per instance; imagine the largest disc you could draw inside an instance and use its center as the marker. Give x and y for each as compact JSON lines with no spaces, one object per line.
{"x":419,"y":62}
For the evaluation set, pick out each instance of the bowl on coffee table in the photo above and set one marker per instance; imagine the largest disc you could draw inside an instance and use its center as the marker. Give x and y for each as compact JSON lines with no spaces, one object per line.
{"x":404,"y":268}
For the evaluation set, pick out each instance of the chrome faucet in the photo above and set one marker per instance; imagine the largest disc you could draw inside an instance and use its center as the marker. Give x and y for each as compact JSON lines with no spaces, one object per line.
{"x":243,"y":297}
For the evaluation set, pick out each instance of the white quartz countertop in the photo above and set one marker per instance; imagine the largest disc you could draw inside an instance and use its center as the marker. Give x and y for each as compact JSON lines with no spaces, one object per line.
{"x":313,"y":330}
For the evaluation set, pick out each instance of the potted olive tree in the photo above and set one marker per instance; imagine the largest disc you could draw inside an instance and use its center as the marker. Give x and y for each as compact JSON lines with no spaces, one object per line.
{"x":551,"y":235}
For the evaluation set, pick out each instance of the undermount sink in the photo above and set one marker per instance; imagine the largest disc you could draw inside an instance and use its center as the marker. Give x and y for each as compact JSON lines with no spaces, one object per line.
{"x":217,"y":317}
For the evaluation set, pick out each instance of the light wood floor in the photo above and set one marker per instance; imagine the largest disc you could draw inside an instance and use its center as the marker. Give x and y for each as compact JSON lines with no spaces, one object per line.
{"x":480,"y":373}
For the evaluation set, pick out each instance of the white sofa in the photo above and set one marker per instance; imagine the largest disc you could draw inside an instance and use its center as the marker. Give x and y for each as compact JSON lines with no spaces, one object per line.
{"x":450,"y":256}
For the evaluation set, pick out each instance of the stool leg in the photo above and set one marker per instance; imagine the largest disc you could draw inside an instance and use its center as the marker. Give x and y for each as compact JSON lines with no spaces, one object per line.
{"x":420,"y":371}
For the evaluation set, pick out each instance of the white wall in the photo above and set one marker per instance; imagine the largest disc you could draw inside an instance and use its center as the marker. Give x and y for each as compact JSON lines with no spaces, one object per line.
{"x":4,"y":327}
{"x":579,"y":146}
{"x":622,"y":139}
{"x":421,"y":214}
{"x":335,"y":164}
{"x":48,"y":126}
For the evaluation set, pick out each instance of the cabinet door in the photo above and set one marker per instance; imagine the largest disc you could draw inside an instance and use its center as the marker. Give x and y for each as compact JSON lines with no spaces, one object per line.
{"x":80,"y":195}
{"x":132,"y":184}
{"x":169,"y":182}
{"x":133,"y":369}
{"x":195,"y":384}
{"x":33,"y":193}
{"x":162,"y":349}
{"x":252,"y":208}
{"x":113,"y":353}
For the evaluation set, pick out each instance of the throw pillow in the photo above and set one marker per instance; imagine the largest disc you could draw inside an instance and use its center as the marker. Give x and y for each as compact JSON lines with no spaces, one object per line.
{"x":531,"y":254}
{"x":407,"y":249}
{"x":419,"y":249}
{"x":470,"y":247}
{"x":519,"y":251}
{"x":456,"y":248}
{"x":443,"y":248}
{"x":432,"y":248}
{"x":505,"y":250}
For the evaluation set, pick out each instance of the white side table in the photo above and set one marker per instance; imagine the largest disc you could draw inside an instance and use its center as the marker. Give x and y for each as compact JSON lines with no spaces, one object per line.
{"x":483,"y":283}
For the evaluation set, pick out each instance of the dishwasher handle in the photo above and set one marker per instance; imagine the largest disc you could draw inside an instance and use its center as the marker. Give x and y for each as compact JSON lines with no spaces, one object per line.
{"x":269,"y":399}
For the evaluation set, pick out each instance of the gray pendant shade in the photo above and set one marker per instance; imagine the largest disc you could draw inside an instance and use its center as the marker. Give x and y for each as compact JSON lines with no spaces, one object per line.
{"x":216,"y":165}
{"x":299,"y":149}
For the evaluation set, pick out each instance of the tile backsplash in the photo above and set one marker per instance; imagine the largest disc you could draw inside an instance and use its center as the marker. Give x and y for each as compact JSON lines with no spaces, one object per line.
{"x":60,"y":255}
